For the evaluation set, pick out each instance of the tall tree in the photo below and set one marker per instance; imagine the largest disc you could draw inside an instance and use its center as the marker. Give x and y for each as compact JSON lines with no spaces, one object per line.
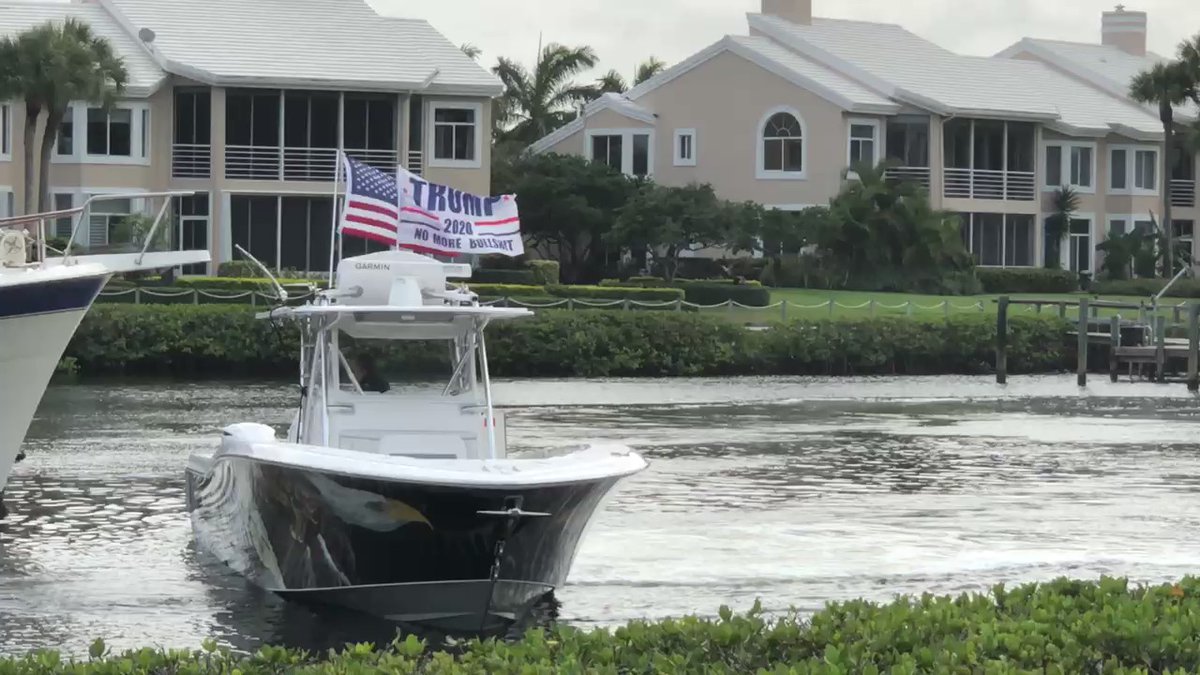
{"x":648,"y":69}
{"x":23,"y":59}
{"x":538,"y":102}
{"x":1165,"y":85}
{"x":471,"y":50}
{"x":86,"y":68}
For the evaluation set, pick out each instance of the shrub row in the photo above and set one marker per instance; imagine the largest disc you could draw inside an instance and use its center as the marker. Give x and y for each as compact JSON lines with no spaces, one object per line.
{"x":532,"y":273}
{"x":703,"y":292}
{"x":235,"y":284}
{"x":1184,"y":288}
{"x":1061,"y":627}
{"x":1026,"y":280}
{"x":222,"y":340}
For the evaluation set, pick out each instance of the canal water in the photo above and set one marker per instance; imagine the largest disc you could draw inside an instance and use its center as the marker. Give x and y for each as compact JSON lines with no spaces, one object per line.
{"x":793,"y":491}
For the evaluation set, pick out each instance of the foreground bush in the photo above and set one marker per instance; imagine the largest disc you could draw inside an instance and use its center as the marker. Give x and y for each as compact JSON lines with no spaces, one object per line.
{"x":225,"y":340}
{"x":1026,"y":280}
{"x":1062,"y":627}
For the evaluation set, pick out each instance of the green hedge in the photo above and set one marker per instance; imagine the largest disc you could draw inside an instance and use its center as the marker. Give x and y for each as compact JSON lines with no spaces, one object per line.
{"x":705,"y":293}
{"x":235,"y":284}
{"x":545,"y":272}
{"x":512,"y":277}
{"x":226,"y":340}
{"x":1063,"y":627}
{"x":1184,"y":288}
{"x":602,"y":293}
{"x":1026,"y":280}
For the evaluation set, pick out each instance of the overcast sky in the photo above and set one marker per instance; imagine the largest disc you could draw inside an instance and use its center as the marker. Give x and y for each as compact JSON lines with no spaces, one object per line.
{"x":625,"y":32}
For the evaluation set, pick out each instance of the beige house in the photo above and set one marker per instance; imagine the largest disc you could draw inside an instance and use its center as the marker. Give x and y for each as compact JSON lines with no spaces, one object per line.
{"x":778,"y":115}
{"x":247,"y":104}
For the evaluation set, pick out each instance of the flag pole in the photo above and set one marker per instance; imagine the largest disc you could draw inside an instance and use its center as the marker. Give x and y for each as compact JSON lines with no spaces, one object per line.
{"x":333,"y":229}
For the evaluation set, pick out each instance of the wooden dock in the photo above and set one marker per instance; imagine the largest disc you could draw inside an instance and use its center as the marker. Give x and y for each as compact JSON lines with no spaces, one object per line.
{"x":1130,"y":344}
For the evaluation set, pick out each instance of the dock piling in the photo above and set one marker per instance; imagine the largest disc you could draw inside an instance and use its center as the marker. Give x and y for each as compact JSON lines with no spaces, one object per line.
{"x":1114,"y":343}
{"x":1193,"y":374}
{"x":1002,"y":340}
{"x":1081,"y":375}
{"x":1160,"y":351}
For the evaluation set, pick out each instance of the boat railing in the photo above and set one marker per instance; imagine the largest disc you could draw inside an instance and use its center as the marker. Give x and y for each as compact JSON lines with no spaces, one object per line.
{"x":79,"y":215}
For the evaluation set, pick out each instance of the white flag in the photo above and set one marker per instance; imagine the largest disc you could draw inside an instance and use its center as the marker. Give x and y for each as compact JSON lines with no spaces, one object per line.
{"x":439,"y":219}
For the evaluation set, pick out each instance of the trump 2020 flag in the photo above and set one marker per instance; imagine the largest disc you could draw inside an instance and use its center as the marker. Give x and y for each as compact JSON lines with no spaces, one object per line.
{"x":441,"y":219}
{"x":371,"y":208}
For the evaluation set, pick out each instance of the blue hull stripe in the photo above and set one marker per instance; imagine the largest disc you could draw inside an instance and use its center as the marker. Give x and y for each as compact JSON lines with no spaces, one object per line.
{"x":62,"y":295}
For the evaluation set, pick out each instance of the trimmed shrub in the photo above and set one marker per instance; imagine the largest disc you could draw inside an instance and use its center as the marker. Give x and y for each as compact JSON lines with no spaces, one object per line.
{"x":617,"y":293}
{"x":708,"y":293}
{"x":1184,"y":288}
{"x":508,"y":290}
{"x":233,"y":284}
{"x":524,"y":277}
{"x":216,"y":340}
{"x":1026,"y":280}
{"x":242,"y":269}
{"x":545,"y":272}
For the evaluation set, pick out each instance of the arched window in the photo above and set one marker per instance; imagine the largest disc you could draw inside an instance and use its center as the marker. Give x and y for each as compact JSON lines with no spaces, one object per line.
{"x":782,"y":144}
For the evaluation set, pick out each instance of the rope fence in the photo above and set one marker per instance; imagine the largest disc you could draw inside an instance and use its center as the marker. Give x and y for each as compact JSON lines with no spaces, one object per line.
{"x":783,"y":308}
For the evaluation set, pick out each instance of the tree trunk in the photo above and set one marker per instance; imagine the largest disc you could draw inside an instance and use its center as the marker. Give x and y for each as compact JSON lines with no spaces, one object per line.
{"x":32,"y":112}
{"x":1168,"y":120}
{"x":54,"y":120}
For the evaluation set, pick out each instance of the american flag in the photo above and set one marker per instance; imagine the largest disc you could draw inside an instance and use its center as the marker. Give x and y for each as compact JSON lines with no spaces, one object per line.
{"x":372,"y":206}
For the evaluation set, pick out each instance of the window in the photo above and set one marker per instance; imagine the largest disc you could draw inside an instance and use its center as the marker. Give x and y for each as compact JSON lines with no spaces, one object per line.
{"x":6,"y":203}
{"x":1118,"y":170}
{"x":370,"y":122}
{"x":192,"y":220}
{"x":864,"y":142}
{"x":1072,"y":164}
{"x":110,"y":132}
{"x":629,"y":151}
{"x":62,"y":202}
{"x":106,"y":217}
{"x":93,"y":135}
{"x":908,"y":141}
{"x":781,"y":151}
{"x":1184,"y":231}
{"x":456,"y":138}
{"x":1000,"y":240}
{"x":5,"y":130}
{"x":685,"y":147}
{"x":1079,"y":245}
{"x":1145,"y":170}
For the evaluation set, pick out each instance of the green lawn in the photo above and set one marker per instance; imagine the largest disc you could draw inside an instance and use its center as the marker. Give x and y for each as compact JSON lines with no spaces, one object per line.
{"x":809,"y":303}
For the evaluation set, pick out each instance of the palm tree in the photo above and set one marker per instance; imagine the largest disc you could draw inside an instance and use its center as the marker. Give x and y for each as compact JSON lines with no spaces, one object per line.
{"x":536,"y":103}
{"x":471,"y":50}
{"x":613,"y":82}
{"x":1066,"y":204}
{"x":22,"y":61}
{"x":86,"y":69}
{"x":1166,"y":85}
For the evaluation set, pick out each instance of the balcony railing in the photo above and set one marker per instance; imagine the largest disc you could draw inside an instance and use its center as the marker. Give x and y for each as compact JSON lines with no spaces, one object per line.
{"x":299,"y":164}
{"x":1183,"y":193}
{"x":1018,"y":186}
{"x":416,"y":161}
{"x":189,"y":160}
{"x":910,"y":174}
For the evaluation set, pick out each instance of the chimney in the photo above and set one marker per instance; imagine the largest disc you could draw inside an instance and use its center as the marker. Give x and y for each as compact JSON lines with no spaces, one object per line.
{"x":1124,"y":30}
{"x":796,"y":11}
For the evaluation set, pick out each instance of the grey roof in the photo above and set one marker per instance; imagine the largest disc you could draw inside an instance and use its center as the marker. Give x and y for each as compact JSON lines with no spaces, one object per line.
{"x":1104,"y":66}
{"x":340,"y":44}
{"x":144,"y":74}
{"x":909,"y":68}
{"x":858,"y":96}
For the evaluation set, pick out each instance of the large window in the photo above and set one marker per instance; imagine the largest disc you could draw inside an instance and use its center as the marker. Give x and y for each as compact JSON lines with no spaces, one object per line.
{"x":304,"y":237}
{"x":1080,"y":251}
{"x":456,"y":137}
{"x":629,"y":151}
{"x":6,"y":123}
{"x":105,"y":218}
{"x":1000,"y":240}
{"x":781,"y":147}
{"x":95,"y":135}
{"x":284,"y":232}
{"x":252,"y":118}
{"x":370,"y":122}
{"x":192,"y":220}
{"x":863,"y":142}
{"x":1068,"y":163}
{"x":1133,"y":169}
{"x":908,"y":141}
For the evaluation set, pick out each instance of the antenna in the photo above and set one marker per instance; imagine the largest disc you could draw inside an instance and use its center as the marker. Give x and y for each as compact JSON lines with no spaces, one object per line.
{"x":146,"y":35}
{"x":283,"y":295}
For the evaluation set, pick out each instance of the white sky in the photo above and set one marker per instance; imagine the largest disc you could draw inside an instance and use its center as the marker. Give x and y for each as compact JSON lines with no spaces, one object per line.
{"x":625,"y":32}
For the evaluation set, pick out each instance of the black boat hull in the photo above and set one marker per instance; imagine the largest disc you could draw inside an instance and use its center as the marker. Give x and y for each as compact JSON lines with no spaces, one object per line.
{"x":459,"y":559}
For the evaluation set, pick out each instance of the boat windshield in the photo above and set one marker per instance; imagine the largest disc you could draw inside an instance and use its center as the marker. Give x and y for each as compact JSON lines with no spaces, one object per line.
{"x":375,"y":366}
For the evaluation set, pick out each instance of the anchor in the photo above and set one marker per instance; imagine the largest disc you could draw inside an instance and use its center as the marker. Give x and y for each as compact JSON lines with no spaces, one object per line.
{"x":512,"y":513}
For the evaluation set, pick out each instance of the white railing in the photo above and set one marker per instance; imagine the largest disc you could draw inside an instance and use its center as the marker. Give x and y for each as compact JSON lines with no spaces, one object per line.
{"x":190,"y":160}
{"x":416,"y":161}
{"x":299,"y":164}
{"x":919,"y":175}
{"x":990,"y":184}
{"x":1183,"y":193}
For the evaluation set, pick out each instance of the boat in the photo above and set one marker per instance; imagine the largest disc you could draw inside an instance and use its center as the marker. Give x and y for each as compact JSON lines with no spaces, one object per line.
{"x":43,"y":298}
{"x":399,"y":504}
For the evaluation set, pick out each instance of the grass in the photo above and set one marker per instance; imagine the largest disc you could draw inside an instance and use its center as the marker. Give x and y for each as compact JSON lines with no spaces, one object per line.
{"x":815,"y":304}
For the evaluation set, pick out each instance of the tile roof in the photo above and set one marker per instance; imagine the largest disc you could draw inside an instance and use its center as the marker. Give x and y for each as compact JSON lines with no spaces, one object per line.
{"x":909,"y":68}
{"x":1104,"y":66}
{"x":298,"y":43}
{"x":144,"y":74}
{"x":857,"y":95}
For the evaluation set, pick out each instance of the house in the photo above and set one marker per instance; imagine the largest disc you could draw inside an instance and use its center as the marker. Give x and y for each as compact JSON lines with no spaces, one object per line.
{"x":778,"y":115}
{"x":247,"y":104}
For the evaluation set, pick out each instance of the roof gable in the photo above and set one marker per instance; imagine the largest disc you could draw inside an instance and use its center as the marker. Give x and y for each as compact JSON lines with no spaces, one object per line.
{"x":336,"y":44}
